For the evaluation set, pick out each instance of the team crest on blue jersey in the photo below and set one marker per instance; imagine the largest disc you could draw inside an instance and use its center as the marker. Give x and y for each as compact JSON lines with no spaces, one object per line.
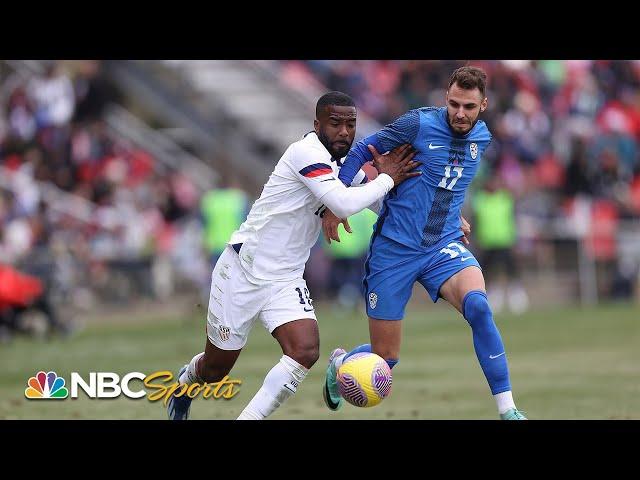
{"x":373,"y":300}
{"x":473,"y":148}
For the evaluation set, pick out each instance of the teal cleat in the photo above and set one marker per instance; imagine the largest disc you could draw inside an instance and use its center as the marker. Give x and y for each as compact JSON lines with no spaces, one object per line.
{"x":330,"y":393}
{"x":512,"y":414}
{"x":178,"y":407}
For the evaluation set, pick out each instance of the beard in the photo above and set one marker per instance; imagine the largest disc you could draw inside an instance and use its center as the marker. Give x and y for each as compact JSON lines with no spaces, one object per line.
{"x":335,"y":151}
{"x":454,"y":125}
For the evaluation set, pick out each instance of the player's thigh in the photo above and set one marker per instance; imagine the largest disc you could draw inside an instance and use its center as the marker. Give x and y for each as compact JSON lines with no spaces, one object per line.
{"x":389,"y":281}
{"x":448,"y":267}
{"x":290,"y":302}
{"x":455,"y":288}
{"x":234,"y":303}
{"x":385,"y":336}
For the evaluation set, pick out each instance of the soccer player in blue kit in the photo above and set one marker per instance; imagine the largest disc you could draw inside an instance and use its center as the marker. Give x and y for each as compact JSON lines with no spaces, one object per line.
{"x":417,"y":235}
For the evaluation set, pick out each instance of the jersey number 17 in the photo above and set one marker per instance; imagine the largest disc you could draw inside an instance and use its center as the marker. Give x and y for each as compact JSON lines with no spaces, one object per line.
{"x":447,"y":176}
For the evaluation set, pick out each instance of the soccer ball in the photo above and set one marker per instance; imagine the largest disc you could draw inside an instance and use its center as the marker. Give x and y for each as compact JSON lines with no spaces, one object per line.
{"x":364,"y":379}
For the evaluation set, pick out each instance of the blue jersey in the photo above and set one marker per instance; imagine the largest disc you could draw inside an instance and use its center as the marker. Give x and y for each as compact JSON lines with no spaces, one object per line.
{"x":423,"y":211}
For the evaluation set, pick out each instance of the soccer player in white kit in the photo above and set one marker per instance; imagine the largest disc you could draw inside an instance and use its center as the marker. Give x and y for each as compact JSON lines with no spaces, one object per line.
{"x":259,"y":276}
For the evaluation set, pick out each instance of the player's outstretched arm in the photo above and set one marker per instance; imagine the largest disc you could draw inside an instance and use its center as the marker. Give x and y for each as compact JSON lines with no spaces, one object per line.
{"x":357,"y":157}
{"x":403,"y":130}
{"x":394,"y":168}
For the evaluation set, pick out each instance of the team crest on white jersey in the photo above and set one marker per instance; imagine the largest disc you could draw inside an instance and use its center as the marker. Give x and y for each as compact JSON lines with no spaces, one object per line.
{"x":474,"y":150}
{"x":373,"y":300}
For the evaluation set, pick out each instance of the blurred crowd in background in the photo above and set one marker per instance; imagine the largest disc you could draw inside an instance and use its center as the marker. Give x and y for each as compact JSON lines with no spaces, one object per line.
{"x":81,"y":208}
{"x":563,"y":166}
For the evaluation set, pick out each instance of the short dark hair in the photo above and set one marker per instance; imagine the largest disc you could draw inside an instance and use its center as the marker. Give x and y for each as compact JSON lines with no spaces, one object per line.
{"x":333,"y":98}
{"x":469,"y":78}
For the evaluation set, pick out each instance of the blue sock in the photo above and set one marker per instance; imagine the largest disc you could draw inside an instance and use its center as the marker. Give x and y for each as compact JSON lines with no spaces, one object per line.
{"x":367,"y":348}
{"x":487,"y":341}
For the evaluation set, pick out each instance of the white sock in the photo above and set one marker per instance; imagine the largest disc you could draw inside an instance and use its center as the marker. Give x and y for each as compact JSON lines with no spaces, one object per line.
{"x":281,"y":382}
{"x":504,"y":401}
{"x":189,"y":376}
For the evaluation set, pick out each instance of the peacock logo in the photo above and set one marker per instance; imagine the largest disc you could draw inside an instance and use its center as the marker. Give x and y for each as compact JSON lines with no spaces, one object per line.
{"x":46,"y":386}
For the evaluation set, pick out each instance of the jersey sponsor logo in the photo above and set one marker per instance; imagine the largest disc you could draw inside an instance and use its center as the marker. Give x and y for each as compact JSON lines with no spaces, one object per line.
{"x":464,"y":259}
{"x":316,"y":170}
{"x":473,"y":148}
{"x":373,"y":300}
{"x":433,"y":147}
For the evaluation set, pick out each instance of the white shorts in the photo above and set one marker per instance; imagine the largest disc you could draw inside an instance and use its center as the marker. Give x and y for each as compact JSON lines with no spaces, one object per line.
{"x":236,"y":302}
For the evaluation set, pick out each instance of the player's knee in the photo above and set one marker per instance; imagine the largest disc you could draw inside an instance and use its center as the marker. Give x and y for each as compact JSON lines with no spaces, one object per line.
{"x":305,"y":354}
{"x":476,"y":307}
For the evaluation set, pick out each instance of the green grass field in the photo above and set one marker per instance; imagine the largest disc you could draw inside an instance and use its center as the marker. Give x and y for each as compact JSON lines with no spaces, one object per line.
{"x":565,"y":364}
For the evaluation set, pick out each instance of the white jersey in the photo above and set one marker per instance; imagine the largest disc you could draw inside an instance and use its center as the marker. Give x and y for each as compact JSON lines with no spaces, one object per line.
{"x":284,"y":223}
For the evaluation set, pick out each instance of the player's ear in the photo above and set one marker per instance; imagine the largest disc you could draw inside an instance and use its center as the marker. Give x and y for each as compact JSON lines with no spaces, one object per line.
{"x":484,"y":104}
{"x":316,"y":126}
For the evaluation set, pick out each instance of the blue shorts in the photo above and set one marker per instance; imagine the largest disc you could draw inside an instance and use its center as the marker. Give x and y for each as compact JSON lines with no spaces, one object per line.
{"x":392,"y":268}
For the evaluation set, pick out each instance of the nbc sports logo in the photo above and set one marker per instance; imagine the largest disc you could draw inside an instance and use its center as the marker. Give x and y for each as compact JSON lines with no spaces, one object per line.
{"x":46,"y":386}
{"x":110,"y":385}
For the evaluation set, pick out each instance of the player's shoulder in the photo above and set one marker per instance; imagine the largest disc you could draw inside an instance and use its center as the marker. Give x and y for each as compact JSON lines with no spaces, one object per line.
{"x":481,"y":131}
{"x":411,"y":120}
{"x":429,"y":110}
{"x":309,"y":148}
{"x":428,"y":115}
{"x":308,"y":157}
{"x":416,"y":113}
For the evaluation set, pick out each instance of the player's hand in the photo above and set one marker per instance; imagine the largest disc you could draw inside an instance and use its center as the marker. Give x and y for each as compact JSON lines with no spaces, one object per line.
{"x":398,"y":163}
{"x":466,"y":229}
{"x":330,"y":226}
